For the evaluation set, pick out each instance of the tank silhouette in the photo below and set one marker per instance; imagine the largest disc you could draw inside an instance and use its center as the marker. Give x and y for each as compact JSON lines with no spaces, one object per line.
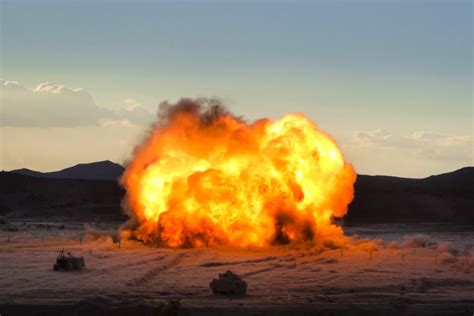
{"x":68,"y":262}
{"x":228,"y":283}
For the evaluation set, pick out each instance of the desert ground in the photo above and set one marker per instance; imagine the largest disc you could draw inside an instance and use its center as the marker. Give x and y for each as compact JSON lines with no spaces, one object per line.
{"x":386,"y":269}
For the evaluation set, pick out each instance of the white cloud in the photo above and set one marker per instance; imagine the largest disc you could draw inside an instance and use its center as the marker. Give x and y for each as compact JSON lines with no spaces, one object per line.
{"x":435,"y":145}
{"x":48,"y":149}
{"x":381,"y":138}
{"x":135,"y":113}
{"x":49,"y":105}
{"x":109,"y":123}
{"x":58,"y":89}
{"x":131,"y":104}
{"x":421,"y":150}
{"x":11,"y":84}
{"x":375,"y":136}
{"x":57,"y":105}
{"x":442,"y":139}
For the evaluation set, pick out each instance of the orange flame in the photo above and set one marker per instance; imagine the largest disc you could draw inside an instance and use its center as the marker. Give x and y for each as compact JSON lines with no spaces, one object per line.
{"x":204,"y":176}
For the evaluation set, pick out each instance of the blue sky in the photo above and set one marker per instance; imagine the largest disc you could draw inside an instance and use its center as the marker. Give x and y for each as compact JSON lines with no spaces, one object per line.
{"x":374,"y":74}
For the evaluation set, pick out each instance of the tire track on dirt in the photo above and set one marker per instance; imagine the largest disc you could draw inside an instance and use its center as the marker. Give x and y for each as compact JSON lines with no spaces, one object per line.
{"x":152,"y":273}
{"x":269,"y":268}
{"x":228,"y":263}
{"x":118,"y":267}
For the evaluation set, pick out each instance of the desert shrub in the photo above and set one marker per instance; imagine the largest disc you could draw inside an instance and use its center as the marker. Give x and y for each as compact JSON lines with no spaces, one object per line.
{"x":329,"y":244}
{"x":11,"y":228}
{"x":3,"y":220}
{"x":171,"y":308}
{"x":369,"y":245}
{"x":393,"y":245}
{"x":446,"y":257}
{"x":91,"y":235}
{"x":446,"y":247}
{"x":415,"y":241}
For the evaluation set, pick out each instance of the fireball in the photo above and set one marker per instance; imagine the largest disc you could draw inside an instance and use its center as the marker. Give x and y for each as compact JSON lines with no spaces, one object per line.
{"x":205,"y":176}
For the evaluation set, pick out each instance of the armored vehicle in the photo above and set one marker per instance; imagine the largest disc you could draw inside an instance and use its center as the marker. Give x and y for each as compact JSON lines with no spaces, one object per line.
{"x":228,"y":283}
{"x":67,"y":262}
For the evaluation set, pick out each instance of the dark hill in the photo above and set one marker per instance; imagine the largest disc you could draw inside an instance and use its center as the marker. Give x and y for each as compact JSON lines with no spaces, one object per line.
{"x":445,"y":197}
{"x":101,"y":170}
{"x":25,"y":196}
{"x":29,"y":172}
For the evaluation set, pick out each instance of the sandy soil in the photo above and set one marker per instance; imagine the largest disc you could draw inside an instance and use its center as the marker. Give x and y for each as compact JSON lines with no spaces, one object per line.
{"x":395,"y":273}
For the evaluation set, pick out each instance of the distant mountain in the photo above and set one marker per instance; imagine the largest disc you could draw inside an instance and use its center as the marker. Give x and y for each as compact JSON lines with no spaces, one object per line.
{"x":29,"y":172}
{"x":445,"y":197}
{"x":101,"y":170}
{"x":42,"y":197}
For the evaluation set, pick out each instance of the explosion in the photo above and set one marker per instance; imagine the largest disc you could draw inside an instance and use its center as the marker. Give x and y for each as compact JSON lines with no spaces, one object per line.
{"x":206,"y":176}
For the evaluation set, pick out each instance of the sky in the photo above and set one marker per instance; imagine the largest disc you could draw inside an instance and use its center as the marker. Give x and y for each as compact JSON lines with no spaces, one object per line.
{"x":391,"y":81}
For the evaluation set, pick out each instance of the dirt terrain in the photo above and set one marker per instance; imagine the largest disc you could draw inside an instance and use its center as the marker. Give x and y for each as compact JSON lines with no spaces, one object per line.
{"x":391,"y":272}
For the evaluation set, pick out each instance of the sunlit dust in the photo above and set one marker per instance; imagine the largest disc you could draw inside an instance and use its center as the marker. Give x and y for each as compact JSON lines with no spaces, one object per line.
{"x":205,"y":176}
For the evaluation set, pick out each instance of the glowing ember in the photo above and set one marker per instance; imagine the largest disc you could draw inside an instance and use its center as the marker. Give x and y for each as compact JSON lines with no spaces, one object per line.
{"x":204,"y":176}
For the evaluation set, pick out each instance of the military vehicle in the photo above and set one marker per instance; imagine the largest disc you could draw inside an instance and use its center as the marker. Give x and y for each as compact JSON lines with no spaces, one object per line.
{"x":67,"y":262}
{"x":228,"y":283}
